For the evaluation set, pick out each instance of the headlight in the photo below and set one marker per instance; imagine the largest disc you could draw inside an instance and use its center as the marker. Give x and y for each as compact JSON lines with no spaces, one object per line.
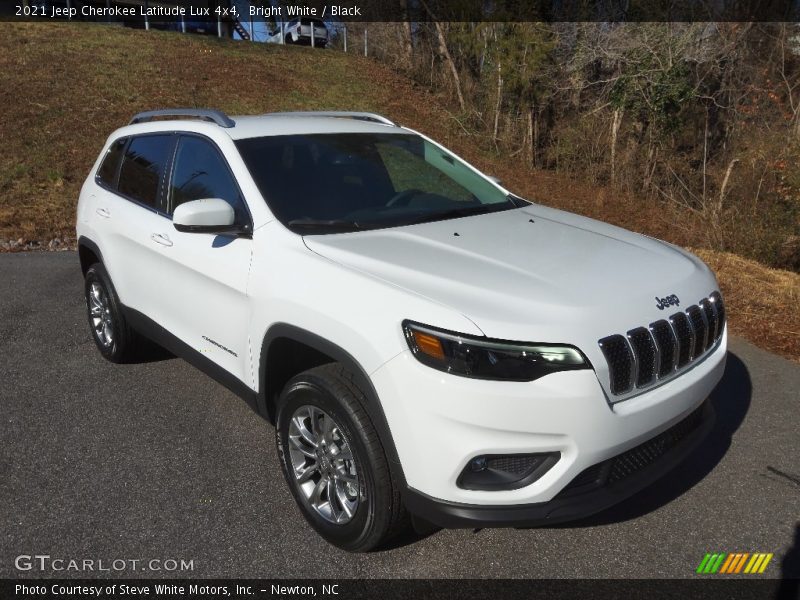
{"x":482,"y":358}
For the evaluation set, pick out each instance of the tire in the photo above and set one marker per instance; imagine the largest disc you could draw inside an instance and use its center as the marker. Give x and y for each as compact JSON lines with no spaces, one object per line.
{"x":114,"y":338}
{"x":327,"y":395}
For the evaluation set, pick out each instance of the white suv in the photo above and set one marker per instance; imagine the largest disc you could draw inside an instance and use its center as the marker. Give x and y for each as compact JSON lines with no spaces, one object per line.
{"x":429,"y":346}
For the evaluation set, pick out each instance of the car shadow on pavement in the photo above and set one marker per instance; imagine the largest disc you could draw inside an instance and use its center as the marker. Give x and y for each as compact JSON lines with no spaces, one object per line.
{"x":731,"y":401}
{"x":150,"y":352}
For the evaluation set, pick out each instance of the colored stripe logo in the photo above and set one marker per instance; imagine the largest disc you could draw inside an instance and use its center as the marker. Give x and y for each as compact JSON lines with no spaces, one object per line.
{"x":734,"y":563}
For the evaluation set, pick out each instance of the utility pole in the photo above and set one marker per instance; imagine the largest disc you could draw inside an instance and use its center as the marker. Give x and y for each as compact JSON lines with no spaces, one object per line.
{"x":365,"y":41}
{"x":345,"y":38}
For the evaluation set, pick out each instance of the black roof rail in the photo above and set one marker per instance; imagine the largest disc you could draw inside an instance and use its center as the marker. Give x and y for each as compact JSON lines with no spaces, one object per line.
{"x":340,"y":114}
{"x":205,"y":114}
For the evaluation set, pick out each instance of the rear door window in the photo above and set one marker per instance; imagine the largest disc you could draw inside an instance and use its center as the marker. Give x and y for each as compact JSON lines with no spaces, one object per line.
{"x":107,"y":174}
{"x":143,"y":168}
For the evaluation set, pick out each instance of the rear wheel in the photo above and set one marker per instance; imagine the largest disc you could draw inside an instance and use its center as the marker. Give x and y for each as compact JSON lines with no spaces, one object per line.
{"x":334,"y":463}
{"x":113,"y":336}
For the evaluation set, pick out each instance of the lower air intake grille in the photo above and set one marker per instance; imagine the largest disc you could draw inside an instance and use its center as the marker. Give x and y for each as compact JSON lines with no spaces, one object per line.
{"x":648,"y":355}
{"x":642,"y":456}
{"x":516,"y":464}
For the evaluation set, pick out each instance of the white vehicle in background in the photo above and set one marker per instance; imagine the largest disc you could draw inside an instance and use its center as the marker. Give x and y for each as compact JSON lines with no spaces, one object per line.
{"x":298,"y":31}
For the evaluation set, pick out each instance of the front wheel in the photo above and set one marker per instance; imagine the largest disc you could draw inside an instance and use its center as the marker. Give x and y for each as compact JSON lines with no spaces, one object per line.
{"x":334,"y":463}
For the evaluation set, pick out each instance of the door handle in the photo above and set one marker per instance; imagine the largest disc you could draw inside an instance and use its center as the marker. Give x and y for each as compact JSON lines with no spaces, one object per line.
{"x":161,"y":238}
{"x":103,"y":212}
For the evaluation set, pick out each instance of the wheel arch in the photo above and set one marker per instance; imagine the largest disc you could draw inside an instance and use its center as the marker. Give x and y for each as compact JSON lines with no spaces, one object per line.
{"x":88,"y":253}
{"x":288,"y":350}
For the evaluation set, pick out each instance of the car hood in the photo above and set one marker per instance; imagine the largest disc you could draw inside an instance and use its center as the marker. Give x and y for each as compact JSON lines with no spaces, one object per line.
{"x":530,"y":274}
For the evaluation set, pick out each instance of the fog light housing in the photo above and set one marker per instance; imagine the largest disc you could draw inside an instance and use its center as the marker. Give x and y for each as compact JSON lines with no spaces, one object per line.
{"x":505,"y":471}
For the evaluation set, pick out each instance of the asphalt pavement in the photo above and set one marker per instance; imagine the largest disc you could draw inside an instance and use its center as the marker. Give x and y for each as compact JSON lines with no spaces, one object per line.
{"x":157,"y":461}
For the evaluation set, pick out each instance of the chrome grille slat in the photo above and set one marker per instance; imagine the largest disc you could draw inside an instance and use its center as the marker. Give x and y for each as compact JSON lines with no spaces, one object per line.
{"x":699,"y":327}
{"x":716,"y":298}
{"x":711,"y":318}
{"x":620,"y":361}
{"x":685,"y":336}
{"x":667,"y":346}
{"x":646,"y":355}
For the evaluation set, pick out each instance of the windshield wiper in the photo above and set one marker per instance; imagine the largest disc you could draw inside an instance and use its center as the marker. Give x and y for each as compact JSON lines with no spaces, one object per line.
{"x":454,"y":213}
{"x":329,"y":224}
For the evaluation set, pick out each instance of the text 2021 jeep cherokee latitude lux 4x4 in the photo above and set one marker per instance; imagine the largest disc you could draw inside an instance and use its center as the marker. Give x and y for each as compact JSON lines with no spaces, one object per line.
{"x":426,"y":343}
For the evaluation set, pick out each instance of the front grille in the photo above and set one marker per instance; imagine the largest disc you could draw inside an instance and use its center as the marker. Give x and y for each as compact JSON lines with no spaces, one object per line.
{"x":642,"y":456}
{"x":648,"y":355}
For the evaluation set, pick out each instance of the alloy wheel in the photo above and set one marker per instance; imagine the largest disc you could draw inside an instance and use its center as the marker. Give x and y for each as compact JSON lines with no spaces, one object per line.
{"x":100,"y":313}
{"x":323,"y":465}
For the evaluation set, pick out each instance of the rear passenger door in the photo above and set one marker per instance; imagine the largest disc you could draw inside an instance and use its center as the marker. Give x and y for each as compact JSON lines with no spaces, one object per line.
{"x":204,"y":289}
{"x":129,"y":210}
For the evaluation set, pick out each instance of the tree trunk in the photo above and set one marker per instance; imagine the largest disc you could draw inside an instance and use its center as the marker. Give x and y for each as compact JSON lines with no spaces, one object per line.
{"x":407,"y":36}
{"x":498,"y":103}
{"x":531,"y":138}
{"x":446,"y":54}
{"x":616,"y":121}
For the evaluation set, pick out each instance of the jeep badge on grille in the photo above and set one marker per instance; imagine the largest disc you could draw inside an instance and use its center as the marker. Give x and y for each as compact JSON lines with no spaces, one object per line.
{"x":671,"y":300}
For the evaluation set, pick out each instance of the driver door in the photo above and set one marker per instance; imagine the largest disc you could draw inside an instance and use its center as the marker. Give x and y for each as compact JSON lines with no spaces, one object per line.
{"x":205,"y":277}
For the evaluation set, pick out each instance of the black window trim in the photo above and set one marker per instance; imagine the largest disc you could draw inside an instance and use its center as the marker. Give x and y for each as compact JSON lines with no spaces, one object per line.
{"x":158,"y":208}
{"x":248,"y":226}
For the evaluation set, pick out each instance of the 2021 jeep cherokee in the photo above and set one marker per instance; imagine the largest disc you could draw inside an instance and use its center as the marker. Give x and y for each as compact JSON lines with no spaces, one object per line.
{"x":426,"y":343}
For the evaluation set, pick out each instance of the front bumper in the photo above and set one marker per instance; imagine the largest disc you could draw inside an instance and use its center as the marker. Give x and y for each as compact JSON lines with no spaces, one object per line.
{"x":440,"y":422}
{"x":594,"y":490}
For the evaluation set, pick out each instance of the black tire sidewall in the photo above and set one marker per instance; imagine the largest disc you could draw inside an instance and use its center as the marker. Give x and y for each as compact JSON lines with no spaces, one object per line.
{"x":361,"y":531}
{"x":115,"y":352}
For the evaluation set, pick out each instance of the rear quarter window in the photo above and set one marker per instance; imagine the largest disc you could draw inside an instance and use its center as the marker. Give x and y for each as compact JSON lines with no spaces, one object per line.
{"x":143,"y":168}
{"x":109,"y":168}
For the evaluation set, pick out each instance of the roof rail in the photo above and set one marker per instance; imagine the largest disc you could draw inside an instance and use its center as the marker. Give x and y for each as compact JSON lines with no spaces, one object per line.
{"x":216,"y":116}
{"x":360,"y":116}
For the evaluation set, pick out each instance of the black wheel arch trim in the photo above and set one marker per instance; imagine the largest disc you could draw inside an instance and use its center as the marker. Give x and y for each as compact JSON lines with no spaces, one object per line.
{"x":267,"y":395}
{"x":85,"y":242}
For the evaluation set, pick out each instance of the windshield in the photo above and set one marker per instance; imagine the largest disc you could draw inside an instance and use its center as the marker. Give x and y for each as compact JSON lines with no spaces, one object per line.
{"x":330,"y":183}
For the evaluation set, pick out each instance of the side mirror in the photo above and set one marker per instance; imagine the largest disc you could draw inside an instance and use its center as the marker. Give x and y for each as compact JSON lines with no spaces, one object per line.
{"x":210,"y":215}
